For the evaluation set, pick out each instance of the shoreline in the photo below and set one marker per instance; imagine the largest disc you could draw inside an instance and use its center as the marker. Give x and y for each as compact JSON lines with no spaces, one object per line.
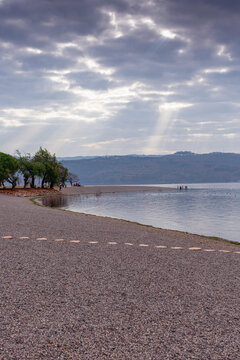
{"x":81,"y":190}
{"x":34,"y":208}
{"x":211,"y":237}
{"x":106,"y":189}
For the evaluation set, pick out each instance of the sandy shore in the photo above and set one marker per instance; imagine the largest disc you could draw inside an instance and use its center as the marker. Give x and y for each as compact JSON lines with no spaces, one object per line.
{"x":101,"y":189}
{"x":76,"y":286}
{"x":75,"y":190}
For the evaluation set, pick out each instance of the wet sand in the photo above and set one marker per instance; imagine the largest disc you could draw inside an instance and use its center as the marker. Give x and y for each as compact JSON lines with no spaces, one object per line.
{"x":101,"y":189}
{"x":76,"y":286}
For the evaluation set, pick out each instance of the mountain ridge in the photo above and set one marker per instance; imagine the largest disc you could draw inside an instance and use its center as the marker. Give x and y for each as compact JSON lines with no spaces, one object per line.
{"x":180,"y":167}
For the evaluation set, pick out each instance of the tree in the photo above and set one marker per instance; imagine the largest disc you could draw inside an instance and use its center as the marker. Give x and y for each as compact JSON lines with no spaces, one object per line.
{"x":62,"y":174}
{"x":49,"y":166}
{"x":52,"y":172}
{"x":29,"y":168}
{"x":3,"y":168}
{"x":42,"y":164}
{"x":9,"y":167}
{"x":24,"y":163}
{"x":36,"y":169}
{"x":73,"y":178}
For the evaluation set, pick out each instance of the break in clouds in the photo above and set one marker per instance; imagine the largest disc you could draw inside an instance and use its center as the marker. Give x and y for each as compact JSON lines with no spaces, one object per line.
{"x":118,"y":77}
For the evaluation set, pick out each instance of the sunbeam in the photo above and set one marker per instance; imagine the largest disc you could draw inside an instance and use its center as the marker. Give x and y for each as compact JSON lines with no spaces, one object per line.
{"x":168,"y":112}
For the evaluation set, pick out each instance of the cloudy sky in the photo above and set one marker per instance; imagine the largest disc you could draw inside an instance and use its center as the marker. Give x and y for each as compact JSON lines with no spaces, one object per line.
{"x":105,"y":77}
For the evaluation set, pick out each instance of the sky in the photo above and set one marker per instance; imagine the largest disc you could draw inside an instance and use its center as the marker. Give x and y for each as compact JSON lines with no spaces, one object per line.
{"x":117,"y":77}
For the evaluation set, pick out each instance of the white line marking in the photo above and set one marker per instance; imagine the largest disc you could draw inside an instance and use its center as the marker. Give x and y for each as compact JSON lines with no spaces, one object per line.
{"x":129,"y":244}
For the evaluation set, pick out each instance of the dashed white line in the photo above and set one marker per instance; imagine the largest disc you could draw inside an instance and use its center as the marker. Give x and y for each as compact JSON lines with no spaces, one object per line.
{"x":131,"y":244}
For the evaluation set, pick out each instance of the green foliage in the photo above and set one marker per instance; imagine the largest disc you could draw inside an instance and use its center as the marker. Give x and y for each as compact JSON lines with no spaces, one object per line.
{"x":42,"y":165}
{"x":24,"y":164}
{"x":3,"y":167}
{"x":9,"y":167}
{"x":62,"y":174}
{"x":49,"y":169}
{"x":29,"y":168}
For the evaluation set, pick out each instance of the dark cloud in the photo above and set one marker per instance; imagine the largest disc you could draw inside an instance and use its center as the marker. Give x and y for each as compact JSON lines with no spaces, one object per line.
{"x":57,"y":19}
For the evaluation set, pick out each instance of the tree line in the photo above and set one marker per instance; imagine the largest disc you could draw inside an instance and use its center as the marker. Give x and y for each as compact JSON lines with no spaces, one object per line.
{"x":42,"y":166}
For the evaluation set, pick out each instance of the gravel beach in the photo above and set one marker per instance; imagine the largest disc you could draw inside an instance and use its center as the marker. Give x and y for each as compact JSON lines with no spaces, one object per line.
{"x":75,"y":286}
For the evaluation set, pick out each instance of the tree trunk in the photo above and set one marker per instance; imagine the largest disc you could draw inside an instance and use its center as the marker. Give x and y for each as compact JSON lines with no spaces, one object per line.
{"x":33,"y":182}
{"x":14,"y":183}
{"x":43,"y":181}
{"x":25,"y":182}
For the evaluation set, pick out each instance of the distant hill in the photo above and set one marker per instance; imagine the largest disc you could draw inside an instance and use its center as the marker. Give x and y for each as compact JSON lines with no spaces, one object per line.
{"x":181,"y":167}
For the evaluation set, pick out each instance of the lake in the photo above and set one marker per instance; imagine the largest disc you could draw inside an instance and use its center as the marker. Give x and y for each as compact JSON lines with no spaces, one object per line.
{"x":206,"y":209}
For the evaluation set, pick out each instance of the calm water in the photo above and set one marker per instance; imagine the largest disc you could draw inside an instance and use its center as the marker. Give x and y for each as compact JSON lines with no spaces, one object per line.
{"x":208,"y":209}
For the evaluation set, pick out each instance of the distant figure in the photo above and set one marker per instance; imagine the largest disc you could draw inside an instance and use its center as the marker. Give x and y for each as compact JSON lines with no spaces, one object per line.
{"x":77,"y":184}
{"x":186,"y":187}
{"x":60,"y":187}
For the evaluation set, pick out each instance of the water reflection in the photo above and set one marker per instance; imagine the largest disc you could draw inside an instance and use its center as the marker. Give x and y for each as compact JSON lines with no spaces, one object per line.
{"x":59,"y":201}
{"x":55,"y":201}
